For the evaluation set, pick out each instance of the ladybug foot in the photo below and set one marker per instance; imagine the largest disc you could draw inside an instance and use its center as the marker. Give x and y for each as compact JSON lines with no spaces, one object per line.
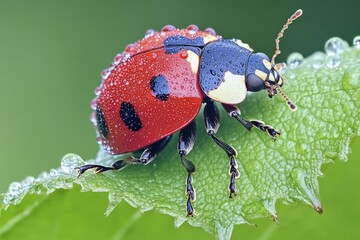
{"x":97,"y":169}
{"x":190,"y":193}
{"x":272,"y":132}
{"x":234,"y":174}
{"x":234,"y":112}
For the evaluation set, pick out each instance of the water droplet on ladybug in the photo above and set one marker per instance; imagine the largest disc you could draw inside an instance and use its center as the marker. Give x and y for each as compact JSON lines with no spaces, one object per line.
{"x":99,"y":140}
{"x":126,"y":57}
{"x":149,"y":33}
{"x":210,"y":31}
{"x":118,"y":58}
{"x":93,"y":104}
{"x":168,"y":28}
{"x":130,"y":48}
{"x":356,"y":41}
{"x":153,"y":55}
{"x":335,"y":46}
{"x":184,"y":54}
{"x":192,"y":27}
{"x":97,"y":91}
{"x":294,"y":59}
{"x":111,"y":67}
{"x":105,"y":73}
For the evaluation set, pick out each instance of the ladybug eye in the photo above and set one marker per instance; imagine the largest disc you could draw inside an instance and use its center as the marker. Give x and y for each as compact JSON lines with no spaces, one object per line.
{"x":254,"y":83}
{"x":263,"y":55}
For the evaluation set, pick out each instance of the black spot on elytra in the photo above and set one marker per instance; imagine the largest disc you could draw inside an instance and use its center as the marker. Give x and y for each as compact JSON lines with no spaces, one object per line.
{"x":160,"y":87}
{"x":130,"y":117}
{"x":101,"y":123}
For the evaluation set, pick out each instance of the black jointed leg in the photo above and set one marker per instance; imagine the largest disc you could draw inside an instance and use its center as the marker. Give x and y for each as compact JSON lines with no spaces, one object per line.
{"x":146,"y":157}
{"x":234,"y":112}
{"x":185,"y":145}
{"x":212,"y":123}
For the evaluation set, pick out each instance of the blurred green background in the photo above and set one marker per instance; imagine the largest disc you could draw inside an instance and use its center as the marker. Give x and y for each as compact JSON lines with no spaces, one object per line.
{"x":51,"y":56}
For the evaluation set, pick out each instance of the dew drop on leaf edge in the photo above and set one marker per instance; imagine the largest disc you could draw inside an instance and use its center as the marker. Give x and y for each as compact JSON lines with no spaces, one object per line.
{"x":356,"y":41}
{"x":294,"y":59}
{"x":335,"y":46}
{"x":70,"y":162}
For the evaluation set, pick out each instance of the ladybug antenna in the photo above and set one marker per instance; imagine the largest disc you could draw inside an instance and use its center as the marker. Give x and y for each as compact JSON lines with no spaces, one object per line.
{"x":297,"y":14}
{"x":290,"y":104}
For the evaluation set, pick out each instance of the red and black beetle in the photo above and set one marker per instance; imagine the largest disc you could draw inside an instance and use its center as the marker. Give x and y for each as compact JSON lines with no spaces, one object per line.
{"x":157,"y":86}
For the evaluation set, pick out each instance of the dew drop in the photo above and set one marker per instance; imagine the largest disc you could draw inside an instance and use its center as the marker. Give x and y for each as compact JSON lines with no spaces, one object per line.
{"x":42,"y":176}
{"x":356,"y":41}
{"x":332,"y":61}
{"x":149,"y":33}
{"x":130,"y":48}
{"x":15,"y":188}
{"x":210,"y":31}
{"x":318,"y":59}
{"x":93,"y":104}
{"x":168,"y":28}
{"x":192,"y":29}
{"x":118,"y":58}
{"x":100,"y":140}
{"x":111,"y":67}
{"x":14,"y":193}
{"x":53,"y":172}
{"x":70,"y":162}
{"x":335,"y":46}
{"x":294,"y":59}
{"x":105,"y":73}
{"x":93,"y":118}
{"x":126,"y":57}
{"x":28,"y":182}
{"x":184,"y":54}
{"x":97,"y":91}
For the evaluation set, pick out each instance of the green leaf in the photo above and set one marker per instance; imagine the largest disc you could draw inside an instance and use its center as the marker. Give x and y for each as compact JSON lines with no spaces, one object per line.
{"x":285,"y":170}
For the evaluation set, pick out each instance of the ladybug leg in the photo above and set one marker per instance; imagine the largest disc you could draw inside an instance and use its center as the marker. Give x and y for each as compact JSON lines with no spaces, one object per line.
{"x":185,"y":145}
{"x":234,"y":112}
{"x":212,"y":123}
{"x":146,"y":157}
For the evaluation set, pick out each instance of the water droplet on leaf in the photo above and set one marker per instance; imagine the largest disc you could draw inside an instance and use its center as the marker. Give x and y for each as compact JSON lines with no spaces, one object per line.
{"x":335,"y":46}
{"x":333,"y":61}
{"x":28,"y":182}
{"x":317,"y":60}
{"x":15,"y":188}
{"x":70,"y":162}
{"x":356,"y":41}
{"x":294,"y":60}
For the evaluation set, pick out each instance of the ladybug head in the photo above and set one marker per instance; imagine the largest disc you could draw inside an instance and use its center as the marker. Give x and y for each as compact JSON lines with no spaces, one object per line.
{"x":263,"y":74}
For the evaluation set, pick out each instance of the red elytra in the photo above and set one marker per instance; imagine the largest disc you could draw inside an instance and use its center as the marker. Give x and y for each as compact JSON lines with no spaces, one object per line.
{"x":129,"y":82}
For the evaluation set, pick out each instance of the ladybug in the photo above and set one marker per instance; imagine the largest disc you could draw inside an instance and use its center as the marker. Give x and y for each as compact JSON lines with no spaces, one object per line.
{"x":157,"y":86}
